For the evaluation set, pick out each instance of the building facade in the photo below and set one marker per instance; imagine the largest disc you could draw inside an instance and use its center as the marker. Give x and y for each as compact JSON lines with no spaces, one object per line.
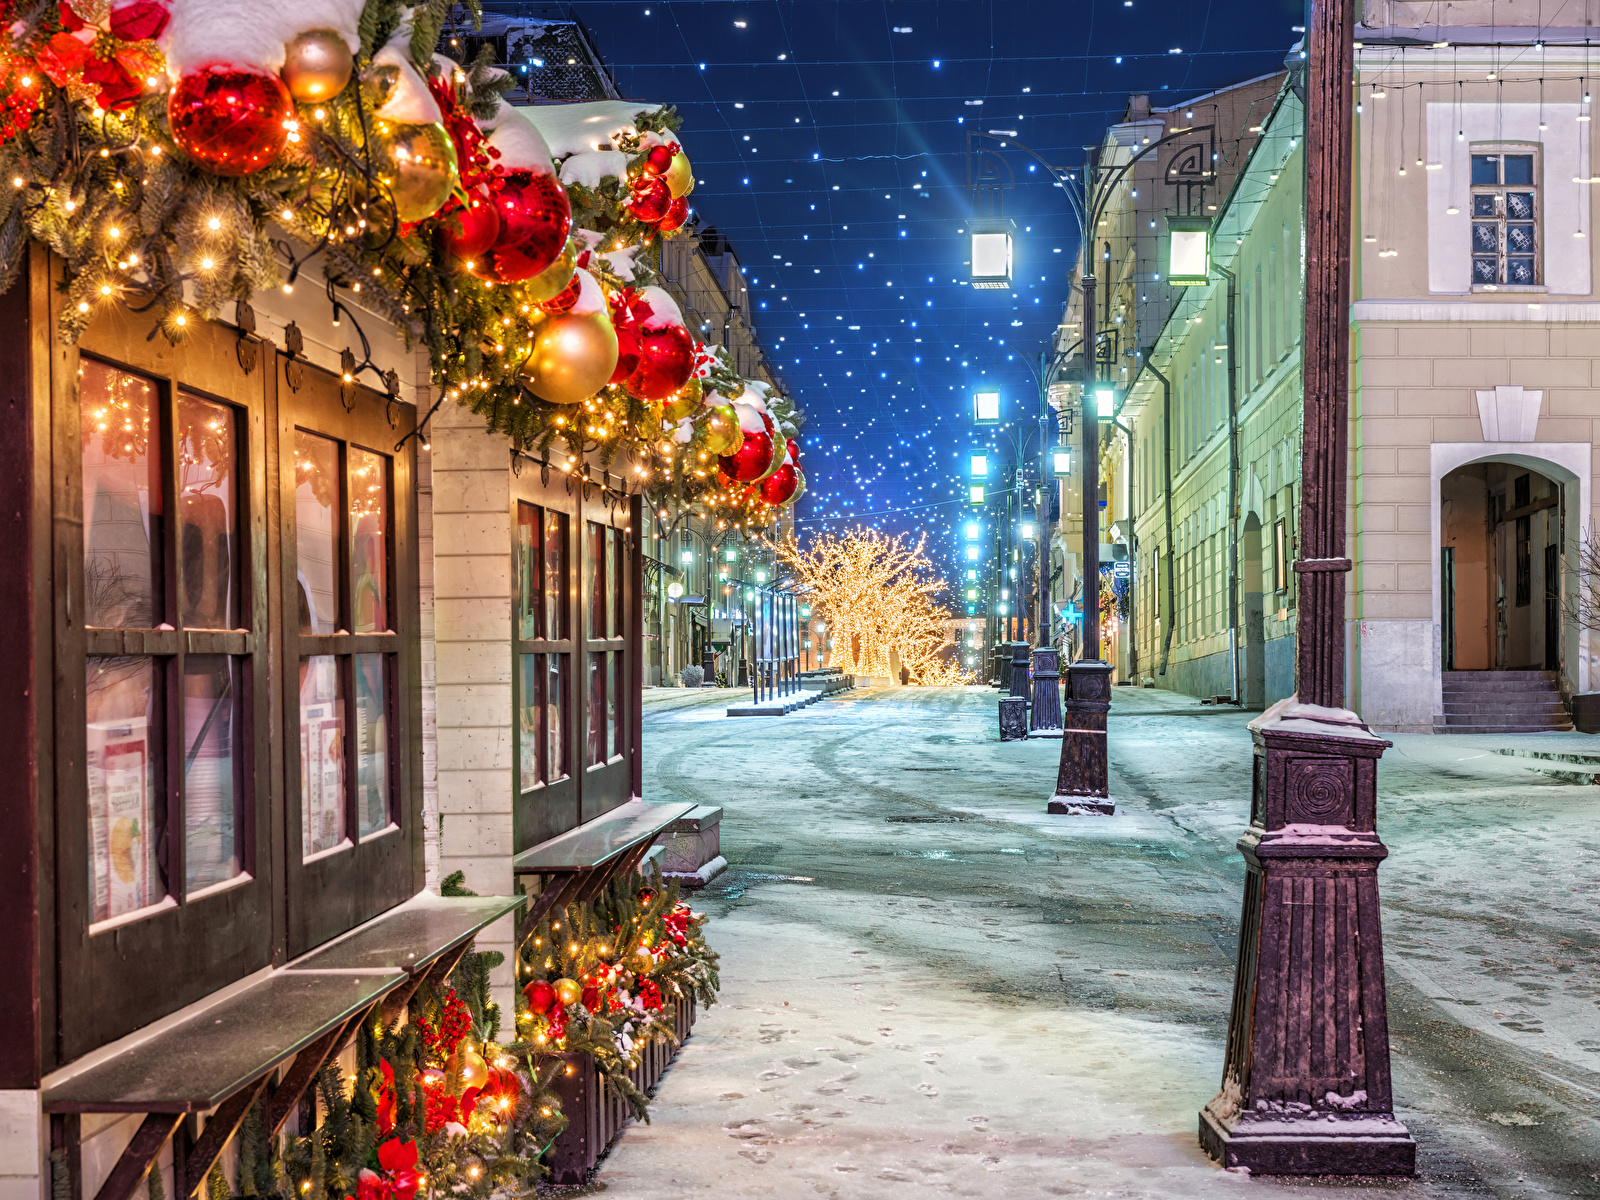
{"x":1472,"y":403}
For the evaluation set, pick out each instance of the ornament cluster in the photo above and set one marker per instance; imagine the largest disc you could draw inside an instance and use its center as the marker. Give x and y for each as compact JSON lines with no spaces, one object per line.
{"x":165,"y":148}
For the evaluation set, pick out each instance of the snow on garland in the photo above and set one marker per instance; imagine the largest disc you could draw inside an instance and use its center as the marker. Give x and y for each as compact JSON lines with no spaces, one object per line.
{"x":179,"y":155}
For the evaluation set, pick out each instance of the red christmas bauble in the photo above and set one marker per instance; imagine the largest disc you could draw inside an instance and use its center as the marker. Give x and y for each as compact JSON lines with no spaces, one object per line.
{"x":677,"y":214}
{"x":535,"y":218}
{"x":563,"y":300}
{"x":666,"y":360}
{"x":651,"y":200}
{"x":751,"y":460}
{"x":469,"y":231}
{"x":778,"y":487}
{"x":541,"y":996}
{"x":628,"y":346}
{"x":658,"y":160}
{"x":230,"y":121}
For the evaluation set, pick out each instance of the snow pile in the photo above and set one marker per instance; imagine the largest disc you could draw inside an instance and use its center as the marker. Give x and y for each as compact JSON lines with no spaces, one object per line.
{"x":521,"y":146}
{"x":250,"y":34}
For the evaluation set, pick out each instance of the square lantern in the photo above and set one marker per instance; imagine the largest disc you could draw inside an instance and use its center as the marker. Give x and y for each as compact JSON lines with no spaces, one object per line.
{"x":991,"y":256}
{"x":986,"y":408}
{"x":975,"y":494}
{"x":1061,"y":462}
{"x":980,"y":466}
{"x":973,"y":553}
{"x":1188,"y":251}
{"x":1105,"y":401}
{"x":974,"y":531}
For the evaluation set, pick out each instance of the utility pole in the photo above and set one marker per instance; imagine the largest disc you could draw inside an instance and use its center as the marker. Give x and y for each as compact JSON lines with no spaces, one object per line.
{"x":1081,"y":779}
{"x":1306,"y":1086}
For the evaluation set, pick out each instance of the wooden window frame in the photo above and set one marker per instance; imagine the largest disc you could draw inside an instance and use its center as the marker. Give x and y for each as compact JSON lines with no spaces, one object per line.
{"x":1500,"y":218}
{"x":127,"y":972}
{"x":332,"y":892}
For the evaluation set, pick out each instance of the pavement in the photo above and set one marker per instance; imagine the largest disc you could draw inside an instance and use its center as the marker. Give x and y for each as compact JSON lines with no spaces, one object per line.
{"x":931,"y":987}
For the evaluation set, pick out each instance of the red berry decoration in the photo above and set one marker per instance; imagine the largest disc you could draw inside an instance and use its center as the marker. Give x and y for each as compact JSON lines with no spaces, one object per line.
{"x":535,"y":218}
{"x":470,"y":231}
{"x":651,"y":200}
{"x":677,"y":214}
{"x":751,"y":460}
{"x":230,"y":121}
{"x":658,"y":159}
{"x":666,"y":360}
{"x":778,"y":487}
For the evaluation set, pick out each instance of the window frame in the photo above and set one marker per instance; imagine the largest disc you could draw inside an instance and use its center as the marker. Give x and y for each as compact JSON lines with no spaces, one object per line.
{"x":1501,"y":220}
{"x":119,"y":974}
{"x":332,"y":891}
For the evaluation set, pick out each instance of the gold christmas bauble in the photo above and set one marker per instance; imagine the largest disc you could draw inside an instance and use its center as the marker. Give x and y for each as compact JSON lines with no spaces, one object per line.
{"x":317,"y":65}
{"x":417,"y":163}
{"x":568,"y":991}
{"x":683,"y":401}
{"x":643,"y":961}
{"x":473,"y":1070}
{"x":679,"y":177}
{"x":553,"y":280}
{"x":780,"y":447}
{"x":574,"y":355}
{"x":725,"y":436}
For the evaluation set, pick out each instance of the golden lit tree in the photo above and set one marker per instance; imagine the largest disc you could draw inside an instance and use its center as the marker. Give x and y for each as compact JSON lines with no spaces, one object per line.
{"x":877,"y":594}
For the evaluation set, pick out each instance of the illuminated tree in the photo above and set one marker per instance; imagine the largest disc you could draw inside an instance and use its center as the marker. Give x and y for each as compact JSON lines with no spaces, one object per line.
{"x":875,"y":595}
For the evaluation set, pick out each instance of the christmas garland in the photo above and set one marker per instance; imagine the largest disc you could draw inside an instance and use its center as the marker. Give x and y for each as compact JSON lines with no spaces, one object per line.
{"x":176,"y":165}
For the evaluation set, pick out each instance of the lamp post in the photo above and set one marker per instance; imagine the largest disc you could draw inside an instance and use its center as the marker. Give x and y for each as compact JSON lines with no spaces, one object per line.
{"x":1306,"y":1085}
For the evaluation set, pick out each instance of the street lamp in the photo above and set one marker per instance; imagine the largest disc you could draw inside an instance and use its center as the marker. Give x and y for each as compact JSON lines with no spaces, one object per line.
{"x":1105,"y":401}
{"x":1188,"y":251}
{"x":975,"y":494}
{"x":688,"y":557}
{"x":974,"y":531}
{"x":1027,"y":530}
{"x":991,"y":252}
{"x":986,"y":408}
{"x":973,"y":553}
{"x":980,"y":466}
{"x":674,"y":590}
{"x":1061,"y":462}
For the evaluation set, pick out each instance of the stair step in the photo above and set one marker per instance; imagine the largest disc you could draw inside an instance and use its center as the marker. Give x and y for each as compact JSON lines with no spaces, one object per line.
{"x":1540,"y":712}
{"x":1523,"y":675}
{"x":1503,"y":729}
{"x":1509,"y":685}
{"x":1506,"y":720}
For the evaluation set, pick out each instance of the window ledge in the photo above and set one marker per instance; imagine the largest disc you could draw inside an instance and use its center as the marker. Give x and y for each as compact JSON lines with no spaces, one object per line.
{"x":1517,"y":288}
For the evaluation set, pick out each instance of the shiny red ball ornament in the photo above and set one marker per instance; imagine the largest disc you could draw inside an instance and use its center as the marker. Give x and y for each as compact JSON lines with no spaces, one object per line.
{"x":778,"y":487}
{"x":563,"y":300}
{"x":651,"y":200}
{"x":657,"y":160}
{"x":535,"y":218}
{"x":751,"y":460}
{"x":628,"y":344}
{"x":230,"y":121}
{"x":470,"y":231}
{"x":666,"y":360}
{"x":677,"y":214}
{"x":541,"y":996}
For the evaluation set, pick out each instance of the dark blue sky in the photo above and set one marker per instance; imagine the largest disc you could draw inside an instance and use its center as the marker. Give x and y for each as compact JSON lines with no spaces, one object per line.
{"x":832,"y":154}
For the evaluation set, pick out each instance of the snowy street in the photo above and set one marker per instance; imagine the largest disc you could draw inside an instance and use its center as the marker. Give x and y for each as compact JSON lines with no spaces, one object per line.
{"x":932,"y":987}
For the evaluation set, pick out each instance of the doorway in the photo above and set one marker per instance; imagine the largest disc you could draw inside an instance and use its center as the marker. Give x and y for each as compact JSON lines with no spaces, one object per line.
{"x":1501,"y":534}
{"x":1255,"y":644}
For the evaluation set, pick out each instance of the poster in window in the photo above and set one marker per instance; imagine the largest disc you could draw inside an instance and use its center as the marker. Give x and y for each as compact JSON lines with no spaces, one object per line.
{"x":322,"y":780}
{"x":120,"y":801}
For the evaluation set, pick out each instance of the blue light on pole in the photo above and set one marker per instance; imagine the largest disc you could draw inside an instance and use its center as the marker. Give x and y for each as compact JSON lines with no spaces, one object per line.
{"x":986,"y":408}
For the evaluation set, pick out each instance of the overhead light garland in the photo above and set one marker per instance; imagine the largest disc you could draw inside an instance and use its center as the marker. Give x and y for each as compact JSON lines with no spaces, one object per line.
{"x":178,"y":158}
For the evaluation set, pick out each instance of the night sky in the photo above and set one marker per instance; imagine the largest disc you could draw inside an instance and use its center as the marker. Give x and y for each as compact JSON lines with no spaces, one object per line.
{"x":829,"y":137}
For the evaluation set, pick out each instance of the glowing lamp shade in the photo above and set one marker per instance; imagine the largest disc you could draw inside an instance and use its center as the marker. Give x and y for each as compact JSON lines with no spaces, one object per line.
{"x":761,"y":576}
{"x":991,"y":253}
{"x":980,"y":466}
{"x":1188,"y":251}
{"x":1105,"y":402}
{"x":974,"y":531}
{"x":972,"y":593}
{"x":688,"y":557}
{"x":1027,"y":529}
{"x":674,"y":591}
{"x":730,"y":556}
{"x":975,"y":494}
{"x":1061,"y":462}
{"x":986,"y":408}
{"x":972,"y":553}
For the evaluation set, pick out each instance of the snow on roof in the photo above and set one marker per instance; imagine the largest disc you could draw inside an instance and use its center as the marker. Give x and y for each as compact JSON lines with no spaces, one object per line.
{"x":581,"y":128}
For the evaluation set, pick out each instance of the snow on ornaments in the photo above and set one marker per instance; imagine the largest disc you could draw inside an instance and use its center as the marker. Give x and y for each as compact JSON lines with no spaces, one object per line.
{"x":535,"y":216}
{"x":666,"y":350}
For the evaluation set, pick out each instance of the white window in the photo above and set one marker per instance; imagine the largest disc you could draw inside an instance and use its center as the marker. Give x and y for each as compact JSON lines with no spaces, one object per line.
{"x":1505,"y":217}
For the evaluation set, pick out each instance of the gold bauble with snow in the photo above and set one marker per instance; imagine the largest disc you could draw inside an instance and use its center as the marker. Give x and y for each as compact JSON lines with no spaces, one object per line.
{"x":724,"y":435}
{"x":553,"y":280}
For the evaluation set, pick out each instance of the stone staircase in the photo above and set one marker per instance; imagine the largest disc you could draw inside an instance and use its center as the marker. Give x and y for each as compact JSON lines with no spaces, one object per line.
{"x":1502,"y":702}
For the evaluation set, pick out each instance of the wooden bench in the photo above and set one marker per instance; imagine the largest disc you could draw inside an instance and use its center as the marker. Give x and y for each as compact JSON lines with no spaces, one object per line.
{"x":218,"y":1056}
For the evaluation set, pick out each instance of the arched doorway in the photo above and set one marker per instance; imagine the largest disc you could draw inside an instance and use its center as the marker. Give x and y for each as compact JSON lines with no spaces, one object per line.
{"x":1255,"y":646}
{"x":1504,"y":562}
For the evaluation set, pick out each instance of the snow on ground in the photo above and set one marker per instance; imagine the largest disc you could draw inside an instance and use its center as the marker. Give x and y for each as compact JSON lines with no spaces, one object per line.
{"x":934,"y":988}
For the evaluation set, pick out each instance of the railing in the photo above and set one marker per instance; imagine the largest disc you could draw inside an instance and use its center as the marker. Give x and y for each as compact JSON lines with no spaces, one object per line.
{"x":777,"y":646}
